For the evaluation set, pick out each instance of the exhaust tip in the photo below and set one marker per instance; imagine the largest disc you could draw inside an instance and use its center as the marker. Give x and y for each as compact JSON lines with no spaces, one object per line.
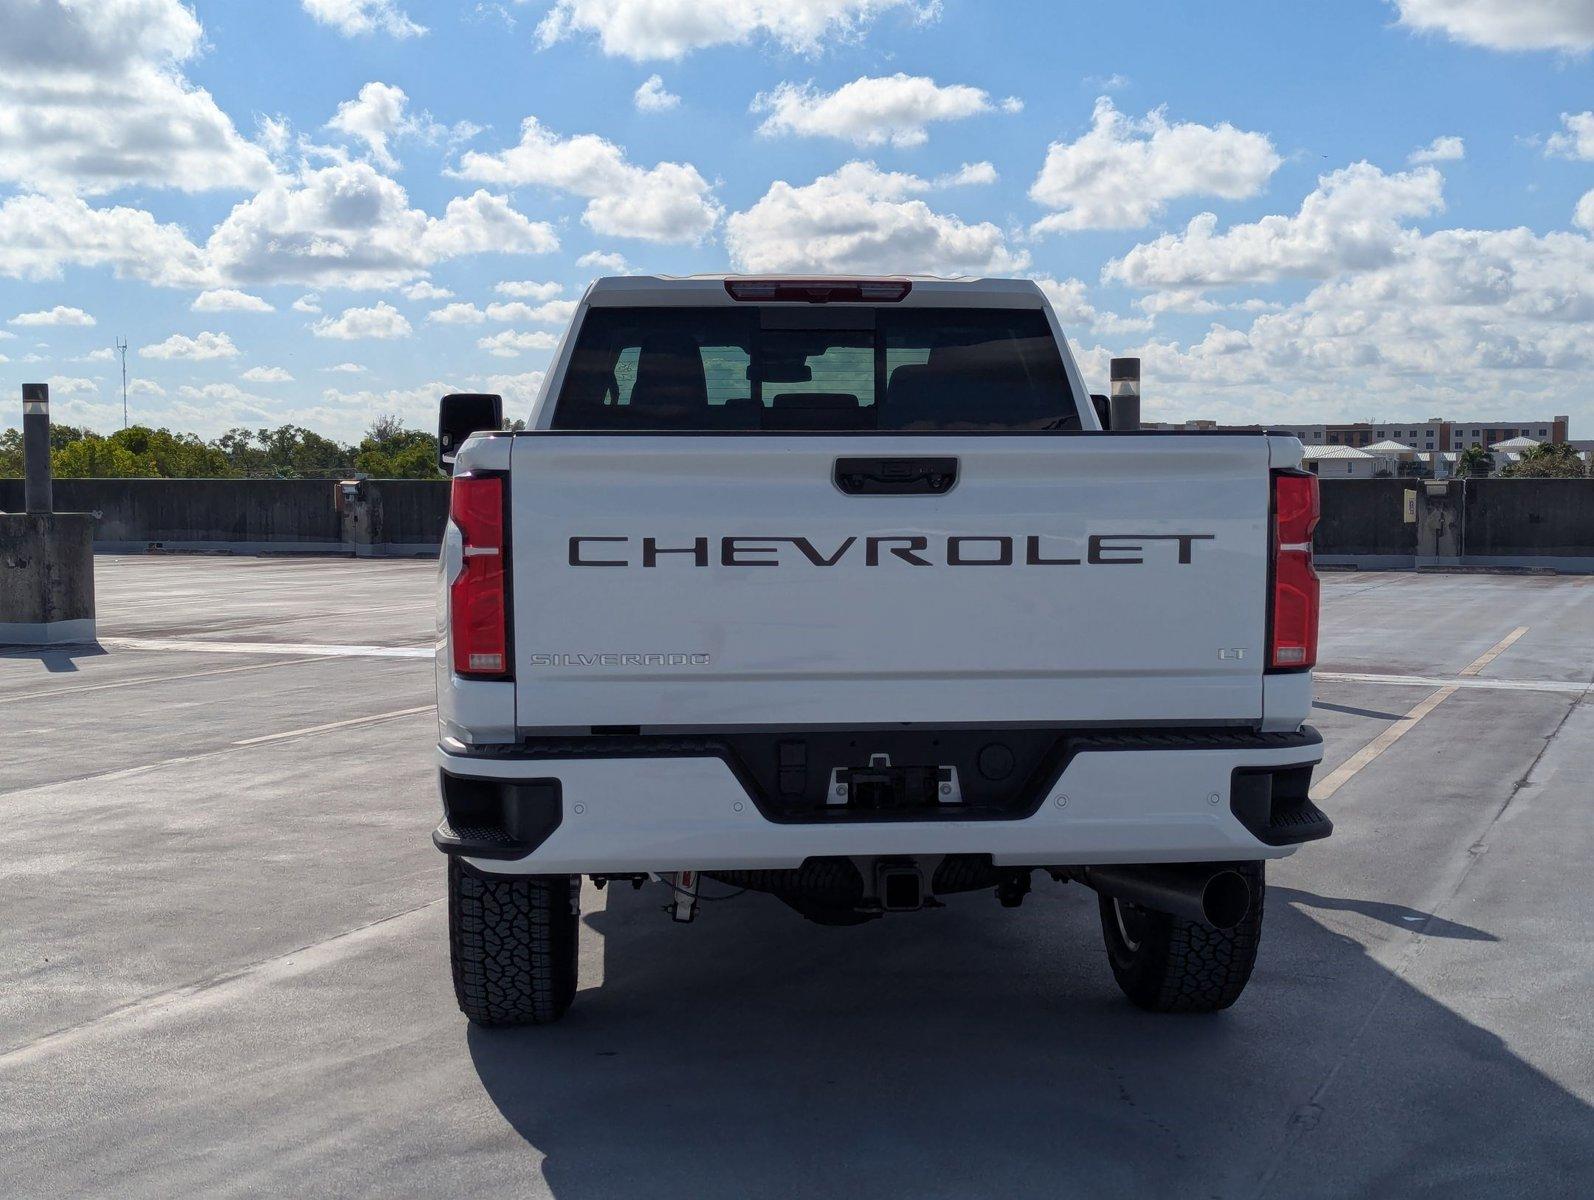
{"x":1226,"y":899}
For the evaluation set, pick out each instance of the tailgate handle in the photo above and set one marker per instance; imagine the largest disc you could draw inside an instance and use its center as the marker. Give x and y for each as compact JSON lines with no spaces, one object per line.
{"x":896,"y":476}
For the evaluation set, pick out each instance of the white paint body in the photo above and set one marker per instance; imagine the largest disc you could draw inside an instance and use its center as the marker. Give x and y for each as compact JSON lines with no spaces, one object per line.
{"x":798,"y":645}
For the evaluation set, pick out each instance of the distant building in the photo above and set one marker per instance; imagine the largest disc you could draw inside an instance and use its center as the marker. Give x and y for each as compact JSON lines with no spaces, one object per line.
{"x":1343,"y":462}
{"x":1434,"y":434}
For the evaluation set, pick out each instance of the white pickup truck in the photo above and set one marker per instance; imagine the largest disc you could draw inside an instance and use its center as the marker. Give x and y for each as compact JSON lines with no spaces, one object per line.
{"x":837,"y":590}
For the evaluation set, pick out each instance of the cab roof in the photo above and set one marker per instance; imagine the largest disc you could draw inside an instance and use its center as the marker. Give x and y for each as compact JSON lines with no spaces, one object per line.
{"x":924,"y":291}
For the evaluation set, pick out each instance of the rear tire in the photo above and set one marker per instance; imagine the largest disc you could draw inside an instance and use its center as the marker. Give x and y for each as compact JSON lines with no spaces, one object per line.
{"x":512,"y":941}
{"x":1168,"y":964}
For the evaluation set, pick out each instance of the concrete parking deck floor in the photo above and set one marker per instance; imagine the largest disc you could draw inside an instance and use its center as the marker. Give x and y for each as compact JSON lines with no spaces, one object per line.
{"x":223,"y":962}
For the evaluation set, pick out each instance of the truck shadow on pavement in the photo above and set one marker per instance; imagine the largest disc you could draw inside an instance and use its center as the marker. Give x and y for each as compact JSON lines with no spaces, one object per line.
{"x":980,"y":1052}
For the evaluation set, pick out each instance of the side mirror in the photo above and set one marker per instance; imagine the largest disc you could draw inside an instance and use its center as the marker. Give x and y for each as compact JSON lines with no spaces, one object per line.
{"x":1103,"y":408}
{"x":461,"y":415}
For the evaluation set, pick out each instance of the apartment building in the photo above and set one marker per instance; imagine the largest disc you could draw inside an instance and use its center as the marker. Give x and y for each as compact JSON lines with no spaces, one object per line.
{"x":1435,"y":433}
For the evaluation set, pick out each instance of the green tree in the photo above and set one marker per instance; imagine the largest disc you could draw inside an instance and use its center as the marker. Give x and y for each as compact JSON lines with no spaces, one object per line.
{"x":1475,"y":463}
{"x":1548,"y":460}
{"x":287,"y":452}
{"x":391,"y":451}
{"x":173,"y":455}
{"x":10,"y":454}
{"x":94,"y":457}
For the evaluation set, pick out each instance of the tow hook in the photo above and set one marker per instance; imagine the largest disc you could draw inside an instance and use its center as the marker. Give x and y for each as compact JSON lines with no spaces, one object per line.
{"x":1012,"y":887}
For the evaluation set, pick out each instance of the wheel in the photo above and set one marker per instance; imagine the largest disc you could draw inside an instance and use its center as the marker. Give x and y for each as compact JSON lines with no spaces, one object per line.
{"x":512,"y":942}
{"x":1168,"y":964}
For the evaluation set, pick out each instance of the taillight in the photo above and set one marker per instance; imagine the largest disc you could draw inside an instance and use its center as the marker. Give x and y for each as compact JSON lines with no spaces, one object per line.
{"x":477,"y":603}
{"x":820,"y":291}
{"x":1295,"y":587}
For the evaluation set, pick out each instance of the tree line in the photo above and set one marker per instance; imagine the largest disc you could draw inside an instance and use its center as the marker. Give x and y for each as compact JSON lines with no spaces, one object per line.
{"x":388,"y":451}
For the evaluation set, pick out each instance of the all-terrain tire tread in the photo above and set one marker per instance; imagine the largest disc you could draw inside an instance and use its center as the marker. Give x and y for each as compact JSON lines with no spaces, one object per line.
{"x":512,"y":943}
{"x":1186,"y":966}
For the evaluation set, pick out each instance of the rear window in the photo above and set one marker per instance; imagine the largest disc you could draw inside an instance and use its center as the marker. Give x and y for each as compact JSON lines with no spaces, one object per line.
{"x":782,"y":367}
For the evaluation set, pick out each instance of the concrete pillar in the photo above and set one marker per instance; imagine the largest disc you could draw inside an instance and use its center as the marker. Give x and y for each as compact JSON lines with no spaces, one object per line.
{"x":46,"y":578}
{"x":38,"y":496}
{"x":1440,"y":507}
{"x":1125,"y":397}
{"x":360,"y":506}
{"x":46,"y":558}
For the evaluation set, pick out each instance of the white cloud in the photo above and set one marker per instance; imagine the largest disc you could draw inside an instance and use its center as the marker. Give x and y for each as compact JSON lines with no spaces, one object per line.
{"x":457,"y":313}
{"x":266,"y":375}
{"x":652,"y":96}
{"x":92,"y":99}
{"x":669,"y":202}
{"x":968,"y":175}
{"x":1441,"y":149}
{"x":382,"y":321}
{"x":145,"y":387}
{"x":860,"y":218}
{"x":509,"y":343}
{"x":550,"y":312}
{"x":307,"y":303}
{"x":61,"y":314}
{"x":229,"y":300}
{"x":1574,"y":141}
{"x":516,"y":389}
{"x":1353,"y":221}
{"x":348,"y":368}
{"x":668,"y":29}
{"x":869,"y":111}
{"x":380,"y":115}
{"x":426,"y":290}
{"x":348,"y":413}
{"x":72,"y":387}
{"x":1566,"y":25}
{"x":39,"y":235}
{"x":1584,"y":214}
{"x":608,"y":262}
{"x":345,"y":225}
{"x":375,"y":116}
{"x":1440,"y":319}
{"x":354,"y":17}
{"x":104,"y":354}
{"x":1124,"y":171}
{"x":526,"y":289}
{"x":198,"y":349}
{"x":1069,"y":299}
{"x":348,"y":225}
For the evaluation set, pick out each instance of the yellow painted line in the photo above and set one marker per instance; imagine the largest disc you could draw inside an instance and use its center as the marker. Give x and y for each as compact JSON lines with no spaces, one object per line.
{"x":1347,"y":770}
{"x":330,"y":725}
{"x":1495,"y":651}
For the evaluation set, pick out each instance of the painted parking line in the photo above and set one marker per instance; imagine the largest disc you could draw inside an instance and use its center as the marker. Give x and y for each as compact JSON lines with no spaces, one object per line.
{"x":1570,"y":687}
{"x":1493,"y":652}
{"x":1347,"y":770}
{"x":196,"y":646}
{"x":330,"y":725}
{"x":53,"y":693}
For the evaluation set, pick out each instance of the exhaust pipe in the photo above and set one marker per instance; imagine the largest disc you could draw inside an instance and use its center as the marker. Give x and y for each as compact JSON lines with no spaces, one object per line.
{"x":1216,"y":896}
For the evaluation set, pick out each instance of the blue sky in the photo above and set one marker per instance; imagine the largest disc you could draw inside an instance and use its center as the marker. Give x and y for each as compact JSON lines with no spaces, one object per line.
{"x":1375,"y":209}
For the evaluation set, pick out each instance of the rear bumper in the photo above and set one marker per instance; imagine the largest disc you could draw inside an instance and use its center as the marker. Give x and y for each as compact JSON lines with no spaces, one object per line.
{"x":1128,"y":800}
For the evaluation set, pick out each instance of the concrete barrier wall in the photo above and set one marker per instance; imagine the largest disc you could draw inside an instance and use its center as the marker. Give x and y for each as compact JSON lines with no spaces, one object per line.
{"x":1502,"y":522}
{"x":394,"y":516}
{"x":1539,"y":518}
{"x":413,"y":510}
{"x":1366,"y":519}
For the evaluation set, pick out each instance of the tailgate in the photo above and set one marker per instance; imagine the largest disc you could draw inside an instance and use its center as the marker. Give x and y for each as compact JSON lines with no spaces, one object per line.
{"x":724,"y":581}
